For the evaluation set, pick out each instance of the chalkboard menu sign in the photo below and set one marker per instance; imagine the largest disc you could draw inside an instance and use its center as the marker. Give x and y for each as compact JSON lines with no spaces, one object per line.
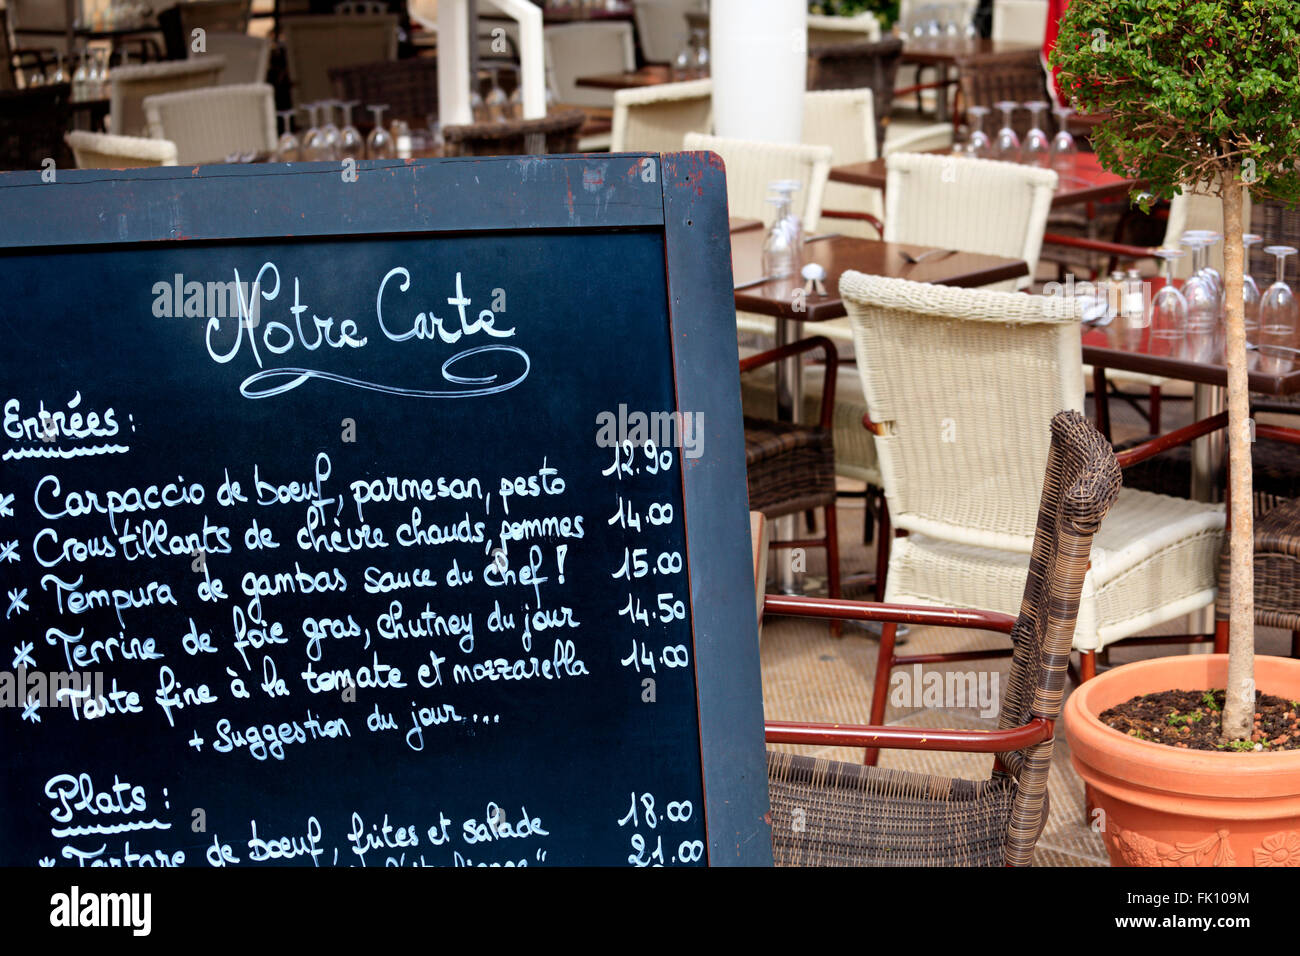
{"x":391,"y":519}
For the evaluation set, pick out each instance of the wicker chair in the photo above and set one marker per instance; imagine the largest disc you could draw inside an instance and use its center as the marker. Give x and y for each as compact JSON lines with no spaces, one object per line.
{"x":131,"y":84}
{"x":791,"y":468}
{"x":990,"y":78}
{"x":209,"y":125}
{"x":409,"y":87}
{"x":32,"y":123}
{"x":557,"y":133}
{"x":956,"y":381}
{"x":657,"y":118}
{"x":178,"y":22}
{"x":865,"y":816}
{"x":105,"y":151}
{"x":869,"y":65}
{"x":661,"y":28}
{"x":751,"y":166}
{"x":248,"y":58}
{"x":823,"y":28}
{"x":580,"y":49}
{"x":844,"y":120}
{"x":314,"y":45}
{"x":1020,"y":21}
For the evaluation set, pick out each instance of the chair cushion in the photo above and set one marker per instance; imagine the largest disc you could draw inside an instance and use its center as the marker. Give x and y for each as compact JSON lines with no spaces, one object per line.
{"x":790,"y":468}
{"x":1153,"y":559}
{"x":827,"y":813}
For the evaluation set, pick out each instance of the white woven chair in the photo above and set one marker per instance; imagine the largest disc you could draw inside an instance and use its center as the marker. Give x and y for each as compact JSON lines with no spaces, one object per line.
{"x":845,"y":121}
{"x":1020,"y":21}
{"x":583,"y":49}
{"x":961,"y":385}
{"x":661,"y":27}
{"x":131,"y":84}
{"x":247,"y":57}
{"x":751,"y":166}
{"x":971,"y":205}
{"x":657,"y":118}
{"x":823,"y":28}
{"x":209,"y":125}
{"x":313,"y":45}
{"x":105,"y":151}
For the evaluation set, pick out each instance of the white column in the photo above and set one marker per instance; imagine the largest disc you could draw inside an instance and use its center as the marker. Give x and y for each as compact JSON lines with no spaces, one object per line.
{"x":453,"y":63}
{"x":532,"y":55}
{"x":759,"y":61}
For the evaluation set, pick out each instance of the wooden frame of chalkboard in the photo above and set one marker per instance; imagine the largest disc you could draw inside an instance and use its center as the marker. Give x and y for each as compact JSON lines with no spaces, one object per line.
{"x":680,"y":197}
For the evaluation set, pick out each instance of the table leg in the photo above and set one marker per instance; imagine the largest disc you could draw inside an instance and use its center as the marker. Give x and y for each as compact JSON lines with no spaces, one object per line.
{"x":941,"y":93}
{"x":1207,"y":452}
{"x":789,"y":405}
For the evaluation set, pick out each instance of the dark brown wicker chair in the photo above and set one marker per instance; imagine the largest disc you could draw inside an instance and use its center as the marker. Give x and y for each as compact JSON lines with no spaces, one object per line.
{"x":791,"y":468}
{"x":32,"y":124}
{"x":409,"y":87}
{"x":990,"y":78}
{"x":554,"y":134}
{"x":858,"y":65}
{"x":826,"y":813}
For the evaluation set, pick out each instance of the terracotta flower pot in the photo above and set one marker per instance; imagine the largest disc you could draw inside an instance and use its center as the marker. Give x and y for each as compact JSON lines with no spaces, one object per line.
{"x":1165,"y":806}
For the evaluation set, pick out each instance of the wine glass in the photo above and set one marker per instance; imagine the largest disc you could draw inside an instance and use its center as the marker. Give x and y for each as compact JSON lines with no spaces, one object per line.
{"x":1278,"y":315}
{"x":684,"y":62}
{"x":1168,"y":314}
{"x":779,"y":258}
{"x":1202,"y":301}
{"x":1250,"y":296}
{"x":80,"y":76}
{"x":1007,"y":145}
{"x":495,"y":102}
{"x":351,"y":145}
{"x":287,"y":149}
{"x":1037,"y":149}
{"x":314,"y":148}
{"x":57,"y":76}
{"x":379,"y":144}
{"x":329,"y":131}
{"x":701,"y":65}
{"x":978,"y":144}
{"x":1064,"y":148}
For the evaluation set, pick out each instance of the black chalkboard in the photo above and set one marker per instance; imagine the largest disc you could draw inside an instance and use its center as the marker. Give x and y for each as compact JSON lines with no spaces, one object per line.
{"x":333,"y":532}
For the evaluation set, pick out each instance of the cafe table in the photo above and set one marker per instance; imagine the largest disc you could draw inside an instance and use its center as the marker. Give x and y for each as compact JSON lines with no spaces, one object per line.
{"x":1129,"y":347}
{"x":1082,"y":180}
{"x":653,"y":75}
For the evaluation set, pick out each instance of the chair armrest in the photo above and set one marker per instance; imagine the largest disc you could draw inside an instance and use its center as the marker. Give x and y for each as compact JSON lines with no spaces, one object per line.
{"x":866,"y":217}
{"x":782,"y":605}
{"x":1099,"y":245}
{"x":1278,"y":433}
{"x":1035,"y":731}
{"x":1181,"y":436}
{"x":831,"y":358}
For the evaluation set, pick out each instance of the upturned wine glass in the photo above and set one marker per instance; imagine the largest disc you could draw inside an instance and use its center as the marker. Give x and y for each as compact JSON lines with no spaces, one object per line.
{"x":1168,"y":313}
{"x":1037,"y":149}
{"x":1007,"y":145}
{"x":1064,"y":148}
{"x":351,"y":145}
{"x":1202,"y":302}
{"x":1250,"y":294}
{"x":978,"y":144}
{"x":496,"y":101}
{"x":379,"y":144}
{"x":314,"y":147}
{"x":287,"y":148}
{"x":1279,"y":313}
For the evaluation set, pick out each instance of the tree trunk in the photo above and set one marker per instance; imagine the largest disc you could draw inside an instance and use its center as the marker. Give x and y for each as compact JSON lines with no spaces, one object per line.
{"x":1239,"y":708}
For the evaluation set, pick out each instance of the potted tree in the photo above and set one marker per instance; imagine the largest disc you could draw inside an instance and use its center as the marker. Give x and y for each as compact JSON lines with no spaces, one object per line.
{"x":1201,"y":92}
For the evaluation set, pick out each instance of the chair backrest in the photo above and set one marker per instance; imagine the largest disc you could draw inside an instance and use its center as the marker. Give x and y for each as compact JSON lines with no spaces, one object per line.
{"x":27,"y":15}
{"x":661,"y":27}
{"x":1279,"y":224}
{"x":823,"y":28}
{"x":990,"y":78}
{"x":32,"y":123}
{"x":972,"y":205}
{"x":314,"y":45}
{"x":247,"y":58}
{"x":1080,"y":483}
{"x":845,"y":121}
{"x":962,"y":383}
{"x":409,"y":87}
{"x":208,"y":125}
{"x":752,"y":166}
{"x":554,"y":134}
{"x":105,"y":151}
{"x":657,"y":118}
{"x":852,"y":66}
{"x":574,"y":50}
{"x":1020,"y":21}
{"x":131,"y":84}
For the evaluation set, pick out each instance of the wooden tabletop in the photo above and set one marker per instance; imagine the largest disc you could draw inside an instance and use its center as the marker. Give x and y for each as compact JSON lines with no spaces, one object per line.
{"x":1083,"y":181}
{"x":947,"y":52}
{"x":1120,"y":346}
{"x":652,"y":75}
{"x":841,"y":253}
